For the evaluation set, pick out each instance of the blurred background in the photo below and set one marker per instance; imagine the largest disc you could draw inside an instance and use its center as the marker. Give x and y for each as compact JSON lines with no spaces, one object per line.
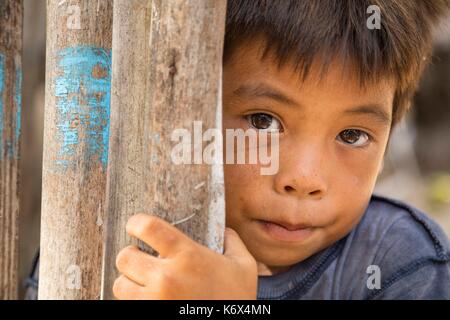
{"x":417,"y":164}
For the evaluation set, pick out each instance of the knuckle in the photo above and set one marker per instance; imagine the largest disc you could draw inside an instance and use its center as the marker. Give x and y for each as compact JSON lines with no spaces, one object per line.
{"x":250,"y":262}
{"x":185,"y":259}
{"x":117,"y":287}
{"x":193,"y":263}
{"x":123,"y":257}
{"x":166,"y":280}
{"x":149,"y":225}
{"x":188,"y":256}
{"x":166,"y":285}
{"x":193,"y":254}
{"x":141,"y":224}
{"x":230,"y":231}
{"x":170,"y":239}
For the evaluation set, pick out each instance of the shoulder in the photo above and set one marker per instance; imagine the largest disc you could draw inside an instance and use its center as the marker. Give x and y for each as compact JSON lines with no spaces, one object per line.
{"x":407,"y":247}
{"x":391,"y":224}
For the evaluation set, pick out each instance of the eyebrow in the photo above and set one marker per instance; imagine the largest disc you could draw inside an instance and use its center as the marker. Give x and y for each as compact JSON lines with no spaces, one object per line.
{"x":374,"y":110}
{"x":262,"y":90}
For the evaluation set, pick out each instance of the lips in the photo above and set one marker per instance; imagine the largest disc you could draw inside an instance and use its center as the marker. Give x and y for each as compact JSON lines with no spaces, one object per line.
{"x":288,"y":226}
{"x":285,"y":232}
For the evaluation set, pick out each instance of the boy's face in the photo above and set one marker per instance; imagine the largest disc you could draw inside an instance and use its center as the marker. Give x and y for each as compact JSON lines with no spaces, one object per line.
{"x":331,"y":146}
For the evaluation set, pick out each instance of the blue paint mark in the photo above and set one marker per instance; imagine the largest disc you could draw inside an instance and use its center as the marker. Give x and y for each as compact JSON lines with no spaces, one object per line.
{"x":82,"y":92}
{"x":12,"y":145}
{"x":18,"y":100}
{"x":2,"y":86}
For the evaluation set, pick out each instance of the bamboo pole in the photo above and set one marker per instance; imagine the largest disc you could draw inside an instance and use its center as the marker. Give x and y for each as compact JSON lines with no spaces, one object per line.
{"x":77,"y":98}
{"x":11,"y":17}
{"x":157,"y":87}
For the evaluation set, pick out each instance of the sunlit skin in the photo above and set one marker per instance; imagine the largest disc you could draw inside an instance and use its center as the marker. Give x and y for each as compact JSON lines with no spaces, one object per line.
{"x":322,"y":181}
{"x":325,"y":179}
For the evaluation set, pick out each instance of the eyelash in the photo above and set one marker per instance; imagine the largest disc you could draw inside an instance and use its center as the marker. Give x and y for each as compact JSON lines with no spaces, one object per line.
{"x":248,"y":118}
{"x":360,"y":132}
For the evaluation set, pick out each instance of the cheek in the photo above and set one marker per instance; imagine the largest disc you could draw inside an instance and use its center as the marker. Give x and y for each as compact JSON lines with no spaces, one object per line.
{"x":241,"y":179}
{"x":242,"y":183}
{"x":353,"y":179}
{"x":356,"y":171}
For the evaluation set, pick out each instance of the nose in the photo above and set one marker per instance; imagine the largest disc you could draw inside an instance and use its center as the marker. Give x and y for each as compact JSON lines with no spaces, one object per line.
{"x":302,"y":172}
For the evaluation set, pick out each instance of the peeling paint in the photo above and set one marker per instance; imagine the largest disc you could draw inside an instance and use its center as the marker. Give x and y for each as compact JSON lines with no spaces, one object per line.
{"x":18,"y":102}
{"x":10,"y":144}
{"x":82,"y":92}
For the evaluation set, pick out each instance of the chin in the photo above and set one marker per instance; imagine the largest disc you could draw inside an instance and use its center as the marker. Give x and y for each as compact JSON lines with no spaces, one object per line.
{"x":278,"y":258}
{"x":284,"y":256}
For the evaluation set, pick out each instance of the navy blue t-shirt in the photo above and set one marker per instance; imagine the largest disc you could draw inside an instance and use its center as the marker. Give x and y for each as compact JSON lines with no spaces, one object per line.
{"x":395,"y":252}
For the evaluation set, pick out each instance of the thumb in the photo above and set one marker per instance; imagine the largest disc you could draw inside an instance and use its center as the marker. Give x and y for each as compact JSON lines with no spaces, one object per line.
{"x":233,"y":245}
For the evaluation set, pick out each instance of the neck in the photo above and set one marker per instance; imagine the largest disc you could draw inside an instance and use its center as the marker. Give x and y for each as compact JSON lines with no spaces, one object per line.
{"x":265,"y":270}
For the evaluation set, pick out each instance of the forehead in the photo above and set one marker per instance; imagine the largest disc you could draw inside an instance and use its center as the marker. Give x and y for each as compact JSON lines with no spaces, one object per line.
{"x":339,"y":82}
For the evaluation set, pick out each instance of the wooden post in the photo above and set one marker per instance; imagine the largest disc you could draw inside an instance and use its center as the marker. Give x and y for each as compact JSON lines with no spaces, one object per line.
{"x":11,"y":16}
{"x":157,"y":88}
{"x":77,"y":99}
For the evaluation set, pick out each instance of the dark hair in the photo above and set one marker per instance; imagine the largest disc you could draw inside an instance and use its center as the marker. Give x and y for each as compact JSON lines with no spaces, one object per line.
{"x":304,"y":29}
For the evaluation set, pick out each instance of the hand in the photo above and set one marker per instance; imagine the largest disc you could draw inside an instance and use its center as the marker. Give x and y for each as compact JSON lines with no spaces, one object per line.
{"x":184,"y":268}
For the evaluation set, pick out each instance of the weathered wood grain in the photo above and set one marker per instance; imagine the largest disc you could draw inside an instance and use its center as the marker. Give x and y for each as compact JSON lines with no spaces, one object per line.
{"x":11,"y":17}
{"x":167,"y":72}
{"x":77,"y":100}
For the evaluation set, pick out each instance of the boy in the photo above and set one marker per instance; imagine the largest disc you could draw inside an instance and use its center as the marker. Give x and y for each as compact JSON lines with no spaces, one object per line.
{"x":334,"y":89}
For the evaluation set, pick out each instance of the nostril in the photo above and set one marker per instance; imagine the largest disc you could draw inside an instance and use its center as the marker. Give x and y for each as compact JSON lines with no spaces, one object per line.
{"x":314,"y":193}
{"x":288,"y":188}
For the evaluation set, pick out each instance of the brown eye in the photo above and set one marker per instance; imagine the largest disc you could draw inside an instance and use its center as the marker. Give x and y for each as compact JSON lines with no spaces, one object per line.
{"x":354,"y":137}
{"x":263,"y":121}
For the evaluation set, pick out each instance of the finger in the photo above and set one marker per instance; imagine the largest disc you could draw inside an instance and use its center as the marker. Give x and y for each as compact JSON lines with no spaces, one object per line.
{"x":136,"y":264}
{"x":158,"y":234}
{"x":125,"y":289}
{"x":233,"y":245}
